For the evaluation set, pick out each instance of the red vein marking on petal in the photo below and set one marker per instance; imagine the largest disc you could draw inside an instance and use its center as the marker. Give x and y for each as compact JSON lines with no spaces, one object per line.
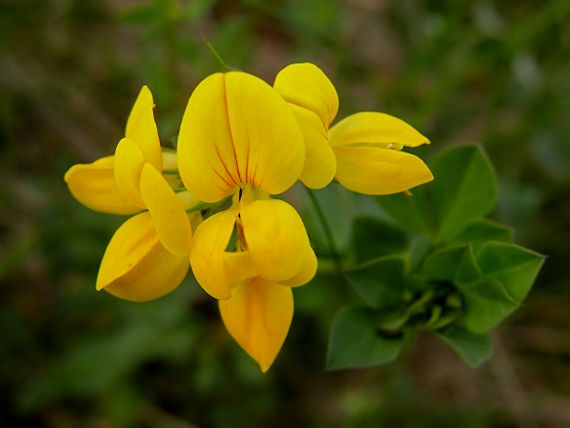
{"x":252,"y":181}
{"x":226,"y":106}
{"x":221,"y":177}
{"x":229,"y":175}
{"x":247,"y":163}
{"x":215,"y":171}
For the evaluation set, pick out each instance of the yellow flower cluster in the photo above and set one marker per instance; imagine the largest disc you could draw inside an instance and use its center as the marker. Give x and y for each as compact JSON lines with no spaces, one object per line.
{"x":241,"y":141}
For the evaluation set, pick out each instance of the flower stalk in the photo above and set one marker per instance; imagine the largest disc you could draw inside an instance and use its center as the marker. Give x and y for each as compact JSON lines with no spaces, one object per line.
{"x":335,"y":255}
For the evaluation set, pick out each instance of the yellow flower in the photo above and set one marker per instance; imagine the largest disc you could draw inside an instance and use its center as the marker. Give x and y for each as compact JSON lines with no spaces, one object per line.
{"x":239,"y":138}
{"x":253,"y":277}
{"x":363,"y":151}
{"x":147,"y":256}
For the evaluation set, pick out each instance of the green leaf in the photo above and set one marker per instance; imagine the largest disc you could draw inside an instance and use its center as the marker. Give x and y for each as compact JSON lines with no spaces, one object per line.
{"x":420,"y":248}
{"x":464,"y":189}
{"x":380,"y":283}
{"x":482,"y":231}
{"x":472,"y":348}
{"x":487,"y":304}
{"x":508,"y":274}
{"x":411,"y":211}
{"x":355,"y":341}
{"x":515,"y":267}
{"x":454,"y":264}
{"x":373,"y":238}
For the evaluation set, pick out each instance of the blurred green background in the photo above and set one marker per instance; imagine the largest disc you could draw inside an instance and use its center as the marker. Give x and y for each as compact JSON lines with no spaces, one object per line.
{"x":497,"y":73}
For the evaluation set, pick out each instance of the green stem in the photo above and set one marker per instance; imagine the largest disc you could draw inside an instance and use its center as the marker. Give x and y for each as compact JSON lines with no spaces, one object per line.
{"x":327,"y":229}
{"x":216,"y":54}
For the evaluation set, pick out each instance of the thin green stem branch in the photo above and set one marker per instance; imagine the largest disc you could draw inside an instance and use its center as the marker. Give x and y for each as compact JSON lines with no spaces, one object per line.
{"x":327,"y":229}
{"x":216,"y":54}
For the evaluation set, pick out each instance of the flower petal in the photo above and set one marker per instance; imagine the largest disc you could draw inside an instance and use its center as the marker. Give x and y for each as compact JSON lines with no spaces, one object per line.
{"x":374,"y":128}
{"x":205,"y":154}
{"x":207,"y":254}
{"x":314,"y":100}
{"x":373,"y":170}
{"x":157,"y":274}
{"x":258,"y":316}
{"x":141,"y":128}
{"x":305,"y":85}
{"x":94,"y":186}
{"x":239,"y":267}
{"x":320,"y":163}
{"x":167,"y":212}
{"x":307,"y":271}
{"x":136,"y":266}
{"x":275,"y":237}
{"x":129,"y":244}
{"x":237,"y":129}
{"x":129,"y":162}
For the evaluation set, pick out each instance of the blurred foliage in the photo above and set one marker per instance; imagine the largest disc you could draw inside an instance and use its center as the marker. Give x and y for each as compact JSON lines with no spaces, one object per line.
{"x":461,"y":72}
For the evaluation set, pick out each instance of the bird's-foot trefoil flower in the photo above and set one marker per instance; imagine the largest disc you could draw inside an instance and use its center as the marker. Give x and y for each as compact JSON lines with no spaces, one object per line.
{"x":363,"y":151}
{"x":239,"y":138}
{"x":210,"y":205}
{"x":147,"y":256}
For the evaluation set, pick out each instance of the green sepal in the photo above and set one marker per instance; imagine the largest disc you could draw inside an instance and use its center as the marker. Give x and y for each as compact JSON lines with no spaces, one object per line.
{"x":474,"y":349}
{"x":357,"y":342}
{"x":392,"y":320}
{"x":435,"y":314}
{"x":450,"y":316}
{"x":380,"y":282}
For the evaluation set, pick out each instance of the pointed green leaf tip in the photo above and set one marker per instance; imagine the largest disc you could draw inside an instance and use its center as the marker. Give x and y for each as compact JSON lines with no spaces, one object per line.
{"x":508,"y":272}
{"x":514,"y":266}
{"x":465,"y":188}
{"x":356,"y":342}
{"x":472,"y":348}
